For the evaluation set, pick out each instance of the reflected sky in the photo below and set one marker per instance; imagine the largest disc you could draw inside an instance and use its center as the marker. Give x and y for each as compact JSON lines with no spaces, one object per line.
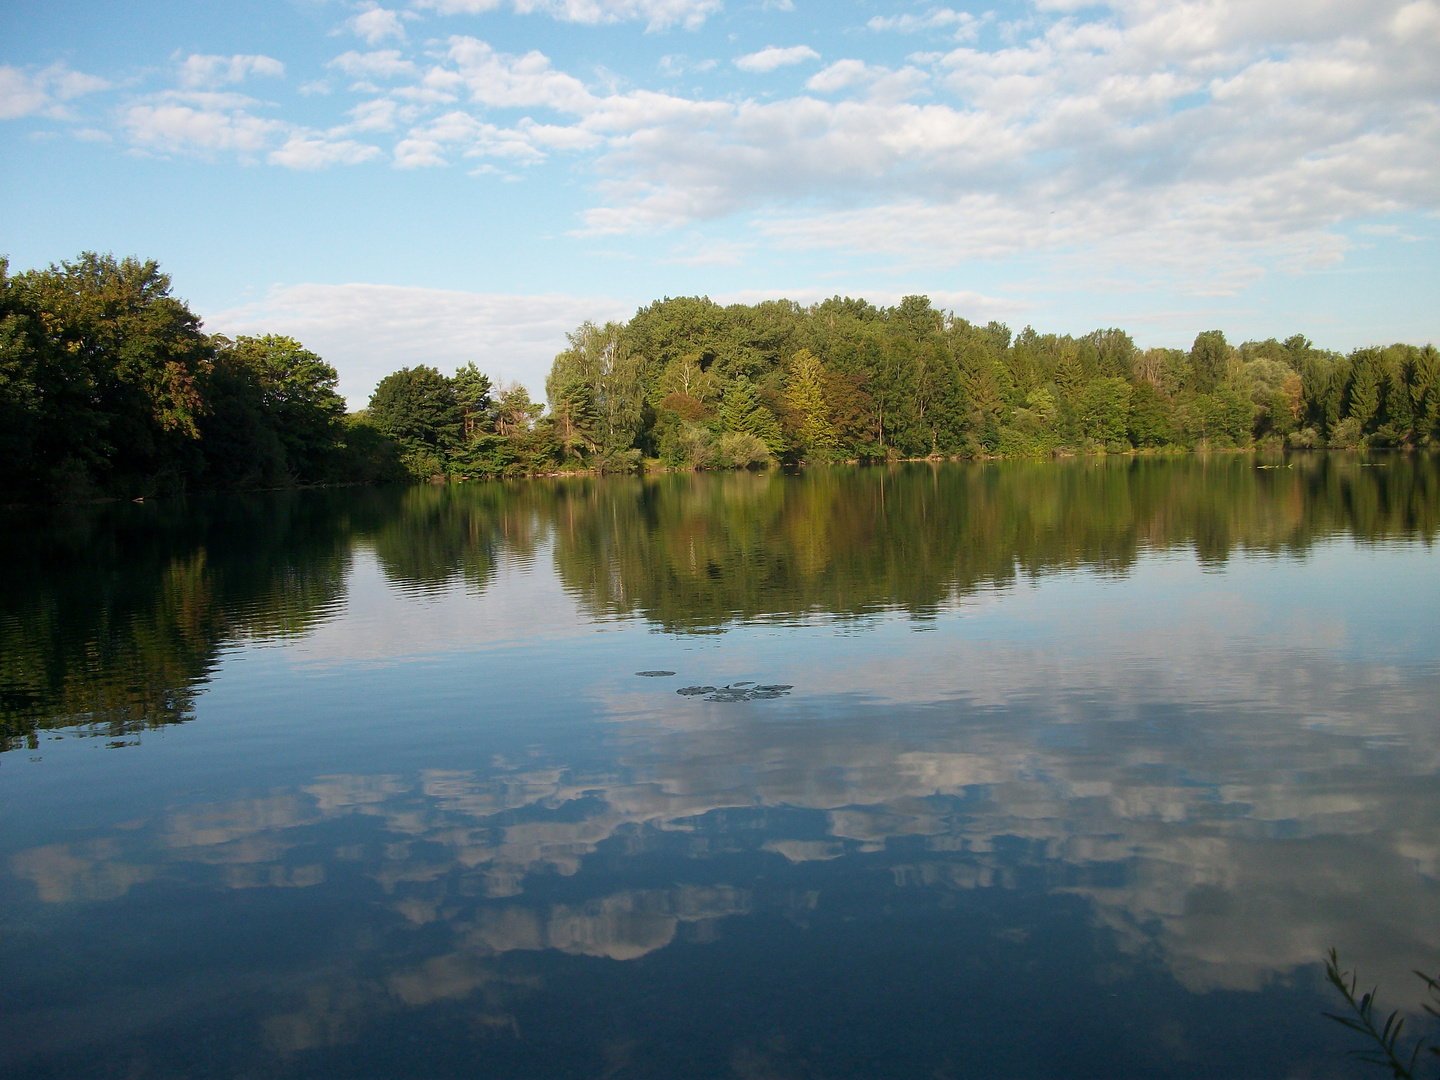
{"x":1098,"y":817}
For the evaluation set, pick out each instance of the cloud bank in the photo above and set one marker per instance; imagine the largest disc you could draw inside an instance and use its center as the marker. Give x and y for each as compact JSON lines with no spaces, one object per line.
{"x":368,"y":331}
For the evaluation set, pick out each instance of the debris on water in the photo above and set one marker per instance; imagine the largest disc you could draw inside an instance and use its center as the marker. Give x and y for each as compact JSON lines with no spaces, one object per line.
{"x":739,"y":690}
{"x":654,"y":674}
{"x":729,"y":695}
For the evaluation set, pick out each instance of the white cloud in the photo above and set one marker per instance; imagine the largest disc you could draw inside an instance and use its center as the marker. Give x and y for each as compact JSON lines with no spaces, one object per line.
{"x":374,"y":24}
{"x":880,"y":83}
{"x":207,"y":122}
{"x":683,"y":65}
{"x":501,"y":80}
{"x":201,"y":122}
{"x":526,"y":143}
{"x":459,"y":7}
{"x":203,"y":72}
{"x":838,"y":76}
{"x":314,"y":151}
{"x":20,"y":94}
{"x":380,"y":114}
{"x":29,"y":93}
{"x":1203,"y":142}
{"x":67,"y":85}
{"x":772,"y":57}
{"x":381,"y":64}
{"x":368,"y":331}
{"x":657,"y":14}
{"x":966,"y":25}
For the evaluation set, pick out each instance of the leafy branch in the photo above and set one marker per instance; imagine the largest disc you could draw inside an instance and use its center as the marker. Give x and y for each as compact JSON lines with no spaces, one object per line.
{"x":1386,"y":1049}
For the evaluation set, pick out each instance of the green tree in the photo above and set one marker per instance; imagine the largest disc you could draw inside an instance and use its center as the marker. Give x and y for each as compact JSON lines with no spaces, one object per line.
{"x":602,"y":359}
{"x":298,"y":398}
{"x":472,"y":394}
{"x":1151,"y":416}
{"x":1105,"y":410}
{"x":1363,"y":395}
{"x":684,"y":375}
{"x":574,"y":415}
{"x":1209,"y":361}
{"x":1425,"y":395}
{"x":515,"y":413}
{"x":742,"y":412}
{"x":111,"y":365}
{"x":417,"y":408}
{"x":805,"y":397}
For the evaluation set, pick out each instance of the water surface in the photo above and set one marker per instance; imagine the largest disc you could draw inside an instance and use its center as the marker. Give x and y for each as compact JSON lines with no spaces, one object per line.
{"x":1081,"y":768}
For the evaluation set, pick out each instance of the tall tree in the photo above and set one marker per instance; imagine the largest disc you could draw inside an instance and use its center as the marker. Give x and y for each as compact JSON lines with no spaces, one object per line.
{"x":743,"y":412}
{"x":805,"y":396}
{"x":417,"y":408}
{"x":298,"y":398}
{"x":602,"y":359}
{"x":111,"y":363}
{"x":472,"y":394}
{"x":514,"y":411}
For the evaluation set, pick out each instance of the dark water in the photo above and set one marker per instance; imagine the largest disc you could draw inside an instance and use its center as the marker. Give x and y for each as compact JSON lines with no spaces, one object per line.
{"x":1080,"y":770}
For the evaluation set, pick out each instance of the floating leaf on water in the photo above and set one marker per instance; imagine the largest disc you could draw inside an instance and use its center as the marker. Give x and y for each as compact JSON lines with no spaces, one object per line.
{"x":775,"y":686}
{"x":654,"y":674}
{"x":728,"y":695}
{"x":767,"y":694}
{"x":743,"y":682}
{"x":691,"y":691}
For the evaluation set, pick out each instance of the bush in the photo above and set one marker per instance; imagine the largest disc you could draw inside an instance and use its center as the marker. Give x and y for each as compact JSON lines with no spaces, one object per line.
{"x":422,"y":464}
{"x":1347,"y":434}
{"x":741,"y":450}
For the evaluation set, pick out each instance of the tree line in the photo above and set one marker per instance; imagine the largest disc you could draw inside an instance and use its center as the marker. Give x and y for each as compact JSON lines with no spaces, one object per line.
{"x":110,"y":386}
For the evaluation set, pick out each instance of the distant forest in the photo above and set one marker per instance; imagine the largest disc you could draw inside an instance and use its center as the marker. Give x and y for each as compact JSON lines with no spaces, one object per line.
{"x":109,"y":386}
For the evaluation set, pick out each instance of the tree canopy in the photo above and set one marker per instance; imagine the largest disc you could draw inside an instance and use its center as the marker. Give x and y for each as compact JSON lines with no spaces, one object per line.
{"x":110,"y":386}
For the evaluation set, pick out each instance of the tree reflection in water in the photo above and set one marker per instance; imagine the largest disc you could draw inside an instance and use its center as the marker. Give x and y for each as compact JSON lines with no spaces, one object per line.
{"x":1086,"y":853}
{"x":114,"y":616}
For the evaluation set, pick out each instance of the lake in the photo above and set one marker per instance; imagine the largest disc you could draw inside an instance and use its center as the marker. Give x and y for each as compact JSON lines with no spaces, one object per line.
{"x":1014,"y":769}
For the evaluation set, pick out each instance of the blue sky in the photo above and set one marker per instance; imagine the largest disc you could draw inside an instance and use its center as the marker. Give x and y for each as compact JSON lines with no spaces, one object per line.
{"x":446,"y":180}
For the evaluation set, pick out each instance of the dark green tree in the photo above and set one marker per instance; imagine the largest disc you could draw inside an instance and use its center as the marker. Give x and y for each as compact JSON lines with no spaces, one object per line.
{"x":744,"y":413}
{"x":105,"y":367}
{"x":472,"y":394}
{"x":417,"y":408}
{"x":1150,"y":417}
{"x":297,"y":397}
{"x":1209,"y":358}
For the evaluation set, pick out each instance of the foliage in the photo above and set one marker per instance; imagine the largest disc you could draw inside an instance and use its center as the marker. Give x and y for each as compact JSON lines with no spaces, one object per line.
{"x":1385,"y":1049}
{"x":418,"y":408}
{"x":809,"y":413}
{"x":101,"y":371}
{"x":109,"y":387}
{"x":273,"y":407}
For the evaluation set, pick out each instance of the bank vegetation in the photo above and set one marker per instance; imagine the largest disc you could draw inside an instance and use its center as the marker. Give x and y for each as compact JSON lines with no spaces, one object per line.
{"x":110,"y":387}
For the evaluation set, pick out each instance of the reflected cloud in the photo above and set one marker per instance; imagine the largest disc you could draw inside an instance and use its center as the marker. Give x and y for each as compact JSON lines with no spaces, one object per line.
{"x":1216,"y":776}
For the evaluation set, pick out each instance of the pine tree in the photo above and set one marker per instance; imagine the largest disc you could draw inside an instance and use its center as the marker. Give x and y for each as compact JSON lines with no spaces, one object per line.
{"x":1364,"y":395}
{"x":805,"y":394}
{"x":472,"y":392}
{"x":742,"y":411}
{"x":1425,"y":394}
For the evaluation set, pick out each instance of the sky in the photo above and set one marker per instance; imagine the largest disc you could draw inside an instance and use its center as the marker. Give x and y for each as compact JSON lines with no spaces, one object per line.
{"x":442,"y":181}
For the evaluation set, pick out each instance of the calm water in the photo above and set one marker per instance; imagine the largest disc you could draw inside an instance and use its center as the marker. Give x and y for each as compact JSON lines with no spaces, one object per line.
{"x":1081,"y":768}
